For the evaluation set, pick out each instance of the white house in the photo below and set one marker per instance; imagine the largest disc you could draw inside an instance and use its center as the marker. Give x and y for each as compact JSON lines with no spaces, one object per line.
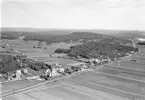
{"x":25,"y":70}
{"x":61,"y":70}
{"x":85,"y":67}
{"x":47,"y":71}
{"x":18,"y":74}
{"x":15,"y":75}
{"x":97,"y":60}
{"x":54,"y":73}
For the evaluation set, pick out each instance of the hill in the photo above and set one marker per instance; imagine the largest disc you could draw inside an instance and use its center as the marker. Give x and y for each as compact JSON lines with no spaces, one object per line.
{"x":30,"y":33}
{"x":11,"y":62}
{"x":129,"y":34}
{"x":77,"y":36}
{"x":98,"y":50}
{"x":65,"y":35}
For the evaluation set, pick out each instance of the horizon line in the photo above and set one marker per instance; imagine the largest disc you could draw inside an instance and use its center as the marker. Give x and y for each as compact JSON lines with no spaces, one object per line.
{"x":70,"y":28}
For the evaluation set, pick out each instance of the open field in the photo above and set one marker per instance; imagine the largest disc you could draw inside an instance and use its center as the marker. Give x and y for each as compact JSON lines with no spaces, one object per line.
{"x":109,"y":82}
{"x":128,"y":73}
{"x":40,"y":54}
{"x":118,"y":80}
{"x":8,"y":87}
{"x":61,"y":92}
{"x":122,"y":78}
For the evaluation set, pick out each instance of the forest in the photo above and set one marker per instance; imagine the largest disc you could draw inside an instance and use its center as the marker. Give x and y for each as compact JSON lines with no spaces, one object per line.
{"x":97,"y":50}
{"x":9,"y":63}
{"x":141,"y":43}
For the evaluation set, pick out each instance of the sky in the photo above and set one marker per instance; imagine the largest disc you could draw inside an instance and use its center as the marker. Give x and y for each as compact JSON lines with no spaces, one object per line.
{"x":74,"y":14}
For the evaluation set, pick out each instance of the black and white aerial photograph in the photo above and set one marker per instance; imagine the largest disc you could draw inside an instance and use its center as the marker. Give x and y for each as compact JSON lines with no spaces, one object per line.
{"x":72,"y":49}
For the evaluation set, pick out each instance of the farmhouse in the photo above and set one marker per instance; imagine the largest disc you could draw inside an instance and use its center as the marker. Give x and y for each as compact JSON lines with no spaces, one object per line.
{"x":54,"y":73}
{"x":14,"y":75}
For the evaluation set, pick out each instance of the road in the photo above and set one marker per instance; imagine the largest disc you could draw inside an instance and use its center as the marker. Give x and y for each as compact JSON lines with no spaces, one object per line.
{"x":40,"y":84}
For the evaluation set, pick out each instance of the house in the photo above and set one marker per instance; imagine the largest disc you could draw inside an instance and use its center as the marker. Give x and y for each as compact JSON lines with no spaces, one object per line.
{"x":18,"y":74}
{"x":54,"y":73}
{"x":48,"y":70}
{"x":24,"y":70}
{"x":46,"y":74}
{"x":61,"y":70}
{"x":94,"y":61}
{"x":97,"y":60}
{"x":85,"y":66}
{"x":68,"y":71}
{"x":15,"y":75}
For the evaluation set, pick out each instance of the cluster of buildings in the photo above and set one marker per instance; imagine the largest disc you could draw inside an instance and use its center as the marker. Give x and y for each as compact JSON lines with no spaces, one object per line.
{"x":98,"y":61}
{"x":15,"y":75}
{"x":16,"y":56}
{"x":56,"y":69}
{"x":59,"y":70}
{"x":47,"y":73}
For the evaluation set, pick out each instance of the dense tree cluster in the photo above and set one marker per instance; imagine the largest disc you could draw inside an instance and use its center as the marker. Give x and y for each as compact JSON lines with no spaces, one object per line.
{"x":37,"y":66}
{"x":38,"y":37}
{"x":9,"y":63}
{"x":75,"y":36}
{"x":55,"y":37}
{"x":141,"y":43}
{"x":9,"y":35}
{"x":59,"y":50}
{"x":98,"y":49}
